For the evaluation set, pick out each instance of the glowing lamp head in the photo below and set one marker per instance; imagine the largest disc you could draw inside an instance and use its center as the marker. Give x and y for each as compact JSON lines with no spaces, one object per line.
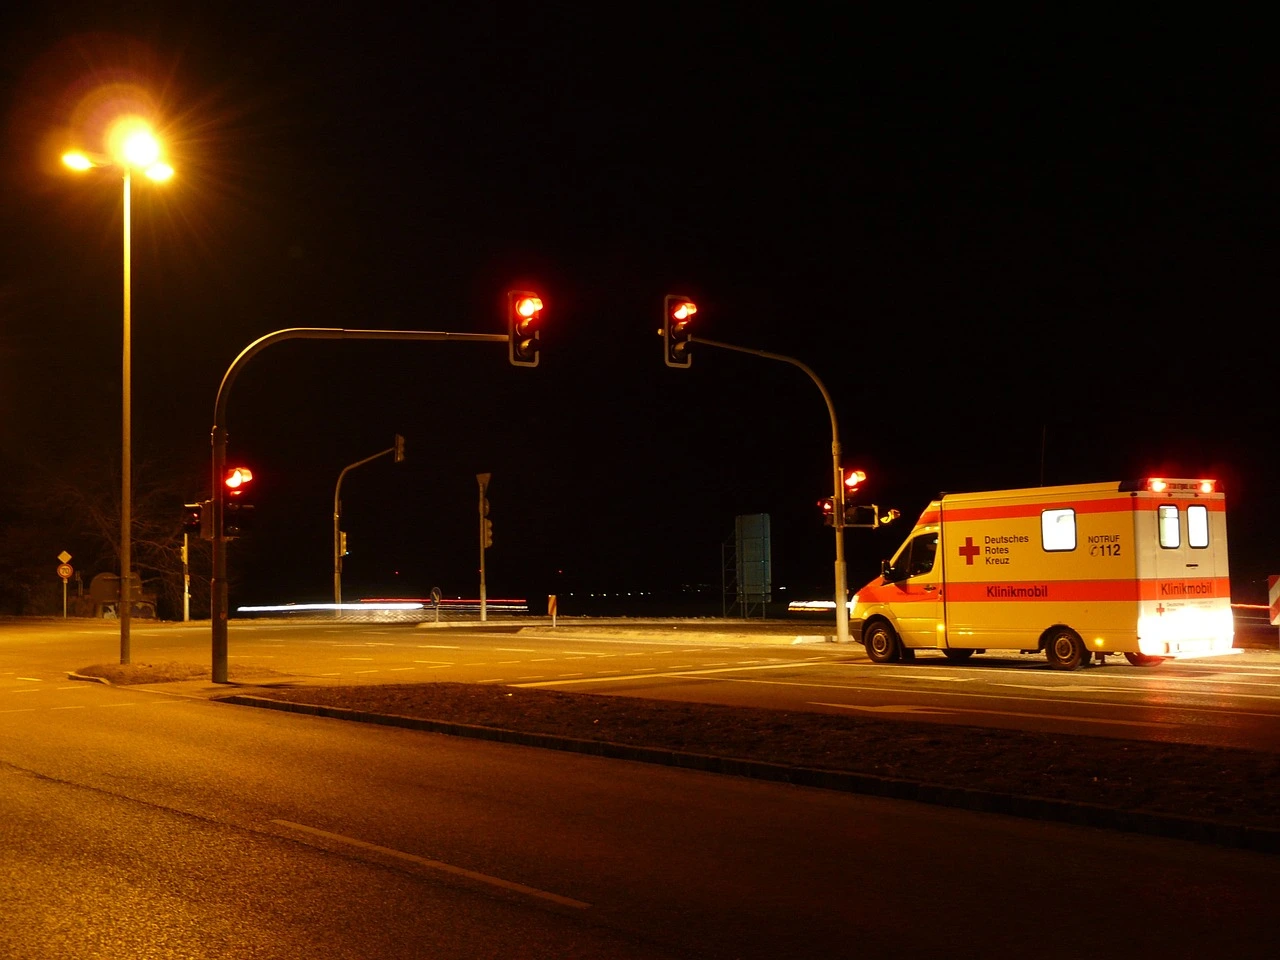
{"x":140,"y":149}
{"x":159,"y":172}
{"x":1206,"y":486}
{"x":77,"y":160}
{"x":1157,"y":486}
{"x":237,"y":477}
{"x":854,"y":478}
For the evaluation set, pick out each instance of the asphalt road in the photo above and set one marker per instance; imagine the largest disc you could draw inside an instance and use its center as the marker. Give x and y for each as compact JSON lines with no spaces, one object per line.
{"x":1223,"y":701}
{"x":141,"y":824}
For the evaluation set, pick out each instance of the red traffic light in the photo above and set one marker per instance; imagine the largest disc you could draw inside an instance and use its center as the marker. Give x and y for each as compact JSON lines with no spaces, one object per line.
{"x":524,"y":315}
{"x":852,"y":479}
{"x":684,"y":310}
{"x":678,"y":311}
{"x":236,"y":478}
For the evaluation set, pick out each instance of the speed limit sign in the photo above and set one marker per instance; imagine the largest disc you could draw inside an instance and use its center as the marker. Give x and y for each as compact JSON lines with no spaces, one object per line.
{"x":65,"y":570}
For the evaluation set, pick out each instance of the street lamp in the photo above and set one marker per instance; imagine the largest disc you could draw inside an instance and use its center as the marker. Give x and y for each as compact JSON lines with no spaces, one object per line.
{"x":133,"y":147}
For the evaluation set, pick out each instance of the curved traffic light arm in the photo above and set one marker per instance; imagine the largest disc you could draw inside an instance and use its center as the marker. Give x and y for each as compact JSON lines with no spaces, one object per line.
{"x":837,"y":520}
{"x":218,"y":583}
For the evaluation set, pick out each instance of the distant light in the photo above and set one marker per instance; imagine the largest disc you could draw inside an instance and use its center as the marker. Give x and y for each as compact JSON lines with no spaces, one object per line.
{"x":295,"y":607}
{"x":159,"y":171}
{"x":77,"y":160}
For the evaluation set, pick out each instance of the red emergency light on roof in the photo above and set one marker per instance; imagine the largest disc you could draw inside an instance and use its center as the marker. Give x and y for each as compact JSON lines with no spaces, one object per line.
{"x":1161,"y":485}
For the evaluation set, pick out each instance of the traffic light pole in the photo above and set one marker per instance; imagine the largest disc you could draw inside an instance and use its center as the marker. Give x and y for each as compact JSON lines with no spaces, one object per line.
{"x":218,"y":438}
{"x":337,"y":529}
{"x":837,"y":470}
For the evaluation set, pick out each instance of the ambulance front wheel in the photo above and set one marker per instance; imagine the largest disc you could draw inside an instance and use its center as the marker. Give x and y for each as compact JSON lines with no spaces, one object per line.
{"x":882,"y":643}
{"x":1065,"y":649}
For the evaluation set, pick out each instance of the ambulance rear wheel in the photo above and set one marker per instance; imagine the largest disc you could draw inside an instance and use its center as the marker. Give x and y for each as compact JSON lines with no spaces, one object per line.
{"x":882,"y":643}
{"x":1144,"y":660}
{"x":1065,"y":649}
{"x":957,"y":655}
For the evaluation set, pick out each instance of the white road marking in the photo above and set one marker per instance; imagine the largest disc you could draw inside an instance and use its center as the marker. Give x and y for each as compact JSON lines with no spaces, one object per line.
{"x":355,"y":658}
{"x":436,"y":646}
{"x":79,"y":706}
{"x":394,"y":669}
{"x":515,"y":649}
{"x":540,"y":659}
{"x":30,"y":679}
{"x":571,"y":674}
{"x":74,"y":686}
{"x":639,"y":675}
{"x":921,"y":708}
{"x":438,"y":865}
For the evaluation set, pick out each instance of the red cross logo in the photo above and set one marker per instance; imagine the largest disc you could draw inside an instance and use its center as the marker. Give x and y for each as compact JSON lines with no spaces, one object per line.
{"x":1160,"y":609}
{"x":969,"y":551}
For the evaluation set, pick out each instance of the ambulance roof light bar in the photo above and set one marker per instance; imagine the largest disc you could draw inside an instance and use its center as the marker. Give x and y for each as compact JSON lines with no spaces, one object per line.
{"x":1161,"y":485}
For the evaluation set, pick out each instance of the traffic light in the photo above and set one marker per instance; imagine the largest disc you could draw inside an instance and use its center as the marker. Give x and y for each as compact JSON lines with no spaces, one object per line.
{"x":524,"y":327}
{"x":399,"y":448}
{"x":828,"y":507}
{"x":342,"y":543}
{"x":852,"y":479}
{"x":677,"y":311}
{"x":488,"y":533}
{"x":197,"y":519}
{"x":236,"y":513}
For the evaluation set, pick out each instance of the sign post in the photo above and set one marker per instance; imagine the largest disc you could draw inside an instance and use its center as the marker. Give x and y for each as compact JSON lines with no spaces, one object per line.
{"x":551,"y":608}
{"x":1273,"y":595}
{"x":65,"y":571}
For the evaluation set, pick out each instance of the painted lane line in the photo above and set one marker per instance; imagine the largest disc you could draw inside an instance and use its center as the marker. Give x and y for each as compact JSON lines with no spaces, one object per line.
{"x":493,"y":680}
{"x":360,"y":672}
{"x":919,"y":709}
{"x":571,"y":675}
{"x":438,"y":865}
{"x":131,"y":703}
{"x":30,"y":679}
{"x":436,"y":663}
{"x":436,"y":646}
{"x":515,"y":649}
{"x":355,"y":658}
{"x":20,"y":710}
{"x":24,"y":690}
{"x":541,"y":659}
{"x":79,"y":706}
{"x":602,"y":677}
{"x":394,"y":669}
{"x":74,"y":686}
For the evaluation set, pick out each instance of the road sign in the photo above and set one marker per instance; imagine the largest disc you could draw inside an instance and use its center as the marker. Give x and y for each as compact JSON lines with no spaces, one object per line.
{"x":1273,"y":589}
{"x":64,"y":557}
{"x":65,"y":571}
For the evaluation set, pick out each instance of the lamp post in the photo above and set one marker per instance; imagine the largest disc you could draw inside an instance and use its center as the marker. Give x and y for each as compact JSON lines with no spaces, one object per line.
{"x":133,"y":148}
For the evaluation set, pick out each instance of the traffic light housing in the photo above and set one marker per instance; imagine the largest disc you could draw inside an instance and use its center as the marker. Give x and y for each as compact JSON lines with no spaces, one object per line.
{"x":524,"y":328}
{"x":197,"y":519}
{"x":237,"y":514}
{"x":398,"y":449}
{"x":828,"y":507}
{"x":488,"y":533}
{"x":192,"y":517}
{"x":677,"y":312}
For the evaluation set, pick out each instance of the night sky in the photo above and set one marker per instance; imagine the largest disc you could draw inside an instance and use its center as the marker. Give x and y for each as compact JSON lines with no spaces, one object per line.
{"x":1015,"y":252}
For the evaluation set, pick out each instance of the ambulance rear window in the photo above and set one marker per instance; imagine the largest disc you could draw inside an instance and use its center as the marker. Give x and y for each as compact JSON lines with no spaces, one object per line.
{"x":1058,"y":529}
{"x":1170,"y":534}
{"x":1197,"y":526}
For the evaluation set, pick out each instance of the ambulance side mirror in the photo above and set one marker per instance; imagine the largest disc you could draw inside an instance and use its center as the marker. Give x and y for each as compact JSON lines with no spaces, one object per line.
{"x":889,"y":573}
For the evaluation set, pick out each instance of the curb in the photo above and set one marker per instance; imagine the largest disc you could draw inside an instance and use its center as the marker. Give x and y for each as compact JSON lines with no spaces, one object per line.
{"x":1258,"y":839}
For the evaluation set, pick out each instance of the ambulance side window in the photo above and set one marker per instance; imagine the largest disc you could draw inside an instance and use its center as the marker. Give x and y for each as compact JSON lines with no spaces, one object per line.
{"x":924,"y":549}
{"x":1170,"y":535}
{"x":1197,"y":526}
{"x":1058,"y":529}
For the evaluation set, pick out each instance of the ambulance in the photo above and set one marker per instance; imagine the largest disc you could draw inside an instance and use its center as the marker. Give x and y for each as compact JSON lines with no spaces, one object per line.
{"x":1136,"y":568}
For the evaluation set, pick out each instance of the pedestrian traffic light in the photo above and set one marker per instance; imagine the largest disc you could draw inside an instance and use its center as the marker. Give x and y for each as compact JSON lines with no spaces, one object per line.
{"x":191,"y":513}
{"x":236,"y":512}
{"x":524,"y":327}
{"x":488,"y":533}
{"x":677,"y":311}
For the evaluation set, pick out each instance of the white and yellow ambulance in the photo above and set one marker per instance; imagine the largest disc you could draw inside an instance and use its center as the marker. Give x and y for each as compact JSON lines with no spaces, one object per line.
{"x":1137,"y":567}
